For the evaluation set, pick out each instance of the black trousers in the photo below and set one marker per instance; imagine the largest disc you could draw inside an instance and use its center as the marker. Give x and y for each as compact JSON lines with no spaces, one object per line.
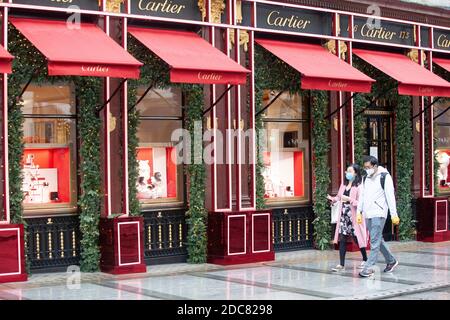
{"x":343,"y":248}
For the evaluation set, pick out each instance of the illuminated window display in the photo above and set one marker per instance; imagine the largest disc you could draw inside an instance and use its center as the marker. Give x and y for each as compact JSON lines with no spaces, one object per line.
{"x":442,"y":152}
{"x":286,"y":159}
{"x":159,"y":178}
{"x":49,"y":168}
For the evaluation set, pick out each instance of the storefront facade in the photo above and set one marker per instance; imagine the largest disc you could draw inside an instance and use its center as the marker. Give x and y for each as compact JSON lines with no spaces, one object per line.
{"x":100,"y":92}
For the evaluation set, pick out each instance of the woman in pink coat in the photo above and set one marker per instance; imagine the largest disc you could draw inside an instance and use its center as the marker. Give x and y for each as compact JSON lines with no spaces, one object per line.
{"x":347,"y":227}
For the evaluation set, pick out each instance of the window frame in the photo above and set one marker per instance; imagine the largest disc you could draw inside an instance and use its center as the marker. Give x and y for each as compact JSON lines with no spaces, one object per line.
{"x":46,"y":209}
{"x":307,"y":160}
{"x":164,"y":203}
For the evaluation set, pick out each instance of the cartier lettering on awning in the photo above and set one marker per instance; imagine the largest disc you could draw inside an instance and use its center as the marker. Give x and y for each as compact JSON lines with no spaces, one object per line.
{"x":83,"y":51}
{"x":413,"y":79}
{"x":191,"y":58}
{"x":320,"y":69}
{"x":5,"y":61}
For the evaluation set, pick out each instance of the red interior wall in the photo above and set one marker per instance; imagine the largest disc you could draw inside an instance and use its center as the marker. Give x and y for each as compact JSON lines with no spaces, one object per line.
{"x":171,"y":174}
{"x":298,"y":174}
{"x":58,"y":158}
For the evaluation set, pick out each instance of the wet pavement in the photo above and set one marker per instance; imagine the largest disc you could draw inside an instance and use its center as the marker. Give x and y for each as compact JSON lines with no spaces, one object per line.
{"x":423,"y":274}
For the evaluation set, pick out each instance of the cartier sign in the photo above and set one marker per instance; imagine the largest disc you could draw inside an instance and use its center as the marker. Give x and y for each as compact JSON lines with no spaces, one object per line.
{"x":292,"y":19}
{"x":82,"y":4}
{"x":177,"y":9}
{"x":390,"y":32}
{"x":442,"y":39}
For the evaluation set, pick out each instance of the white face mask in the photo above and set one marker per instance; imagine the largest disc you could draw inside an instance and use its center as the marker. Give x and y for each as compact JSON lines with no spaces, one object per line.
{"x":370,"y":172}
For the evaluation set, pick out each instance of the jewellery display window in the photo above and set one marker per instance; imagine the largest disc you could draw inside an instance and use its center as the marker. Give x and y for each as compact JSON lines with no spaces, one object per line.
{"x":49,"y":157}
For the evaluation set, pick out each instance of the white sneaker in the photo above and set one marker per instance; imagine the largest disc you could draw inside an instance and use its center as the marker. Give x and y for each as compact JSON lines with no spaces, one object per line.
{"x":362,"y":265}
{"x":338,"y":268}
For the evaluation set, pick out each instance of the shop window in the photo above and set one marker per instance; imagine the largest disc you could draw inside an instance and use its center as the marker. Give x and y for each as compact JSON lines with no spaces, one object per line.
{"x":442,"y":152}
{"x":49,"y":158}
{"x":286,"y":155}
{"x":160,"y":177}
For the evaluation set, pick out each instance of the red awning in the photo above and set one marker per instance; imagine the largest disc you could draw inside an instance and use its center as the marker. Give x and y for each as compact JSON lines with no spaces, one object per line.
{"x":413,"y":79}
{"x":444,"y":63}
{"x":5,"y":61}
{"x":320,"y":69}
{"x":191,"y":58}
{"x":83,"y":51}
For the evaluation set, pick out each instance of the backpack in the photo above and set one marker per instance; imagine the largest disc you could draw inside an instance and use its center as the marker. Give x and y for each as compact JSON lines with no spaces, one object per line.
{"x":382,"y":179}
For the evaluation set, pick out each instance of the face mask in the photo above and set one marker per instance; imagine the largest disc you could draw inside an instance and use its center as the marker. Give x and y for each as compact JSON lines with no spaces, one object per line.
{"x":349,"y":176}
{"x":370,"y":172}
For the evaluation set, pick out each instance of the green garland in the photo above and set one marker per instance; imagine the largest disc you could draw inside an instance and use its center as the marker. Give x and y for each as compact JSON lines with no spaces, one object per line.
{"x":197,"y":214}
{"x":133,"y":143}
{"x":88,"y":91}
{"x":259,"y":179}
{"x":404,"y":165}
{"x":157,"y":73}
{"x":321,"y":147}
{"x":359,"y":103}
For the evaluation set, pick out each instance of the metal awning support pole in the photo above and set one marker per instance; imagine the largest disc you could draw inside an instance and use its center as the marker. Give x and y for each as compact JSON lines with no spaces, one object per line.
{"x":442,"y":113}
{"x":218,"y":100}
{"x":112,"y":96}
{"x":19,"y":97}
{"x":142,"y":97}
{"x":270,"y":103}
{"x":426,"y":108}
{"x":342,"y":106}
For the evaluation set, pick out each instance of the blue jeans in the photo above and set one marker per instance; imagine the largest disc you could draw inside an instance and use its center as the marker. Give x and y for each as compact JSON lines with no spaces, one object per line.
{"x":377,"y":244}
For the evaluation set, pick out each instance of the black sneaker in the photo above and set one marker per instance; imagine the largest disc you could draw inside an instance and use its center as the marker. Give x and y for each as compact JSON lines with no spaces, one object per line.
{"x":366,"y":273}
{"x":391,"y":266}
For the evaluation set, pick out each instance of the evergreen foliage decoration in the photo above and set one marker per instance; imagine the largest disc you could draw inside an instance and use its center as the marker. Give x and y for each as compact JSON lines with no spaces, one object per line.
{"x":360,"y":102}
{"x":404,"y":165}
{"x":88,"y":92}
{"x":156,"y":73}
{"x":321,"y":147}
{"x":133,"y":143}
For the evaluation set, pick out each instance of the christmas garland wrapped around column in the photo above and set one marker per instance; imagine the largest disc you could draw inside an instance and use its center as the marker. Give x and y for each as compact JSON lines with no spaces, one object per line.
{"x":197,"y":215}
{"x":321,"y":147}
{"x":88,"y":91}
{"x":404,"y":165}
{"x":360,"y":102}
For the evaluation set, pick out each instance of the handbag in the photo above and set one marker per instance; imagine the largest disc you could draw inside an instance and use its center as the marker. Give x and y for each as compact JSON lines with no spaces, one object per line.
{"x":334,"y":212}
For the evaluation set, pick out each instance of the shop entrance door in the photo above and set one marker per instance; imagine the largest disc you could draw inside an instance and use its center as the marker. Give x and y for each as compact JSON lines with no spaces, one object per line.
{"x":379,"y":137}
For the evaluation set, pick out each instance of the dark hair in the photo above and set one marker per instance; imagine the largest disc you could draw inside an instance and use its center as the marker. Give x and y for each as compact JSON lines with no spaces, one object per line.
{"x":358,"y":178}
{"x":373,"y":161}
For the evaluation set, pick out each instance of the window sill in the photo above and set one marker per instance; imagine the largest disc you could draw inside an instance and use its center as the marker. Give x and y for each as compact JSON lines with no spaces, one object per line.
{"x":46,"y":212}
